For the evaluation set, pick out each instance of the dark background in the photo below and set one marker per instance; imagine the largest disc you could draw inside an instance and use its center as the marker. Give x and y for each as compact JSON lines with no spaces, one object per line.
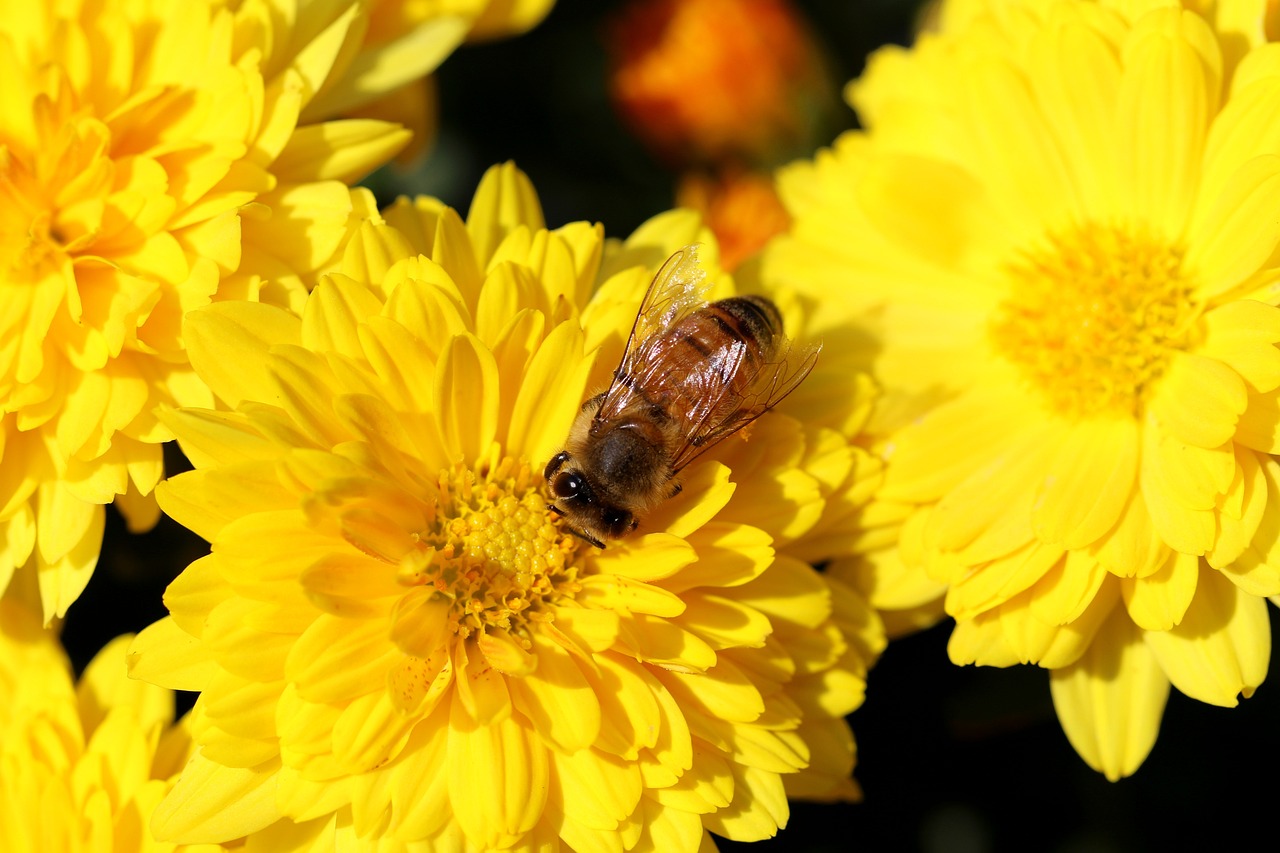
{"x":961,"y":760}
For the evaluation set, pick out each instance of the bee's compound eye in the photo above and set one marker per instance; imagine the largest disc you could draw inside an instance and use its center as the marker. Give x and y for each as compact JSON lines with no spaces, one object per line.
{"x":620,"y":522}
{"x":567,"y":485}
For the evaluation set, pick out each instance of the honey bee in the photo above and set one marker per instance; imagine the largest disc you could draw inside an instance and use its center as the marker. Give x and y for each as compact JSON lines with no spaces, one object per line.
{"x":693,"y":373}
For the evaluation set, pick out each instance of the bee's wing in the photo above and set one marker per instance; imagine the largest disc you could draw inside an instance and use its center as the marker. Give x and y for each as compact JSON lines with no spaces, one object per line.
{"x":677,"y":290}
{"x":770,"y":383}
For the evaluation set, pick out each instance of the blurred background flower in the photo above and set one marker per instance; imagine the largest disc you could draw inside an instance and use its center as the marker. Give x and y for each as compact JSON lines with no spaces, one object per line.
{"x":741,"y":208}
{"x":722,"y":92}
{"x":709,"y":81}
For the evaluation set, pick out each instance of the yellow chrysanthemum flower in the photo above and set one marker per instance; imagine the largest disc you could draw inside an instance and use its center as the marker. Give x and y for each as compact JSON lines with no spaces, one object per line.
{"x":1055,"y":246}
{"x":396,"y":640}
{"x":152,"y":159}
{"x":82,"y":766}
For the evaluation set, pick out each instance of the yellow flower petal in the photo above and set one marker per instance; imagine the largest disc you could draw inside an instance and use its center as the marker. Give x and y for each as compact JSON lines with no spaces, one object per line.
{"x":242,"y":708}
{"x":558,"y":699}
{"x":1196,"y":478}
{"x":332,"y":317}
{"x":1229,"y":239}
{"x":706,"y":488}
{"x":1133,"y":547}
{"x":1243,"y":507}
{"x":1076,"y":76}
{"x":897,"y":188}
{"x":629,"y":716}
{"x":226,"y":437}
{"x":653,"y":640}
{"x":1064,"y":592}
{"x":206,"y":501}
{"x":968,"y":520}
{"x":375,"y":247}
{"x":482,"y":691}
{"x":506,"y":655}
{"x":534,"y":432}
{"x":417,"y":52}
{"x":929,"y":459}
{"x":507,"y":289}
{"x":63,"y":521}
{"x":497,"y":778}
{"x":102,"y":687}
{"x":504,"y":200}
{"x":343,"y":151}
{"x":499,"y":19}
{"x":17,"y":541}
{"x":665,"y":556}
{"x":1243,"y":335}
{"x":193,"y":595}
{"x":1186,"y":529}
{"x":233,"y":636}
{"x":1166,"y":97}
{"x":1049,"y":645}
{"x":1111,"y":700}
{"x":418,"y":784}
{"x":1259,"y":426}
{"x":228,"y":344}
{"x":769,"y":813}
{"x":467,"y":375}
{"x":1219,"y":397}
{"x":351,"y":585}
{"x":64,"y":577}
{"x":1157,"y":602}
{"x":981,"y":640}
{"x":563,"y":278}
{"x":214,"y":803}
{"x":1221,"y":647}
{"x":1256,"y":569}
{"x":1023,"y":160}
{"x":1243,"y":129}
{"x":427,"y":300}
{"x":995,"y":582}
{"x":308,"y":799}
{"x":621,"y":593}
{"x":1086,"y":485}
{"x":599,"y":791}
{"x":337,"y":660}
{"x":728,"y":555}
{"x":369,"y":732}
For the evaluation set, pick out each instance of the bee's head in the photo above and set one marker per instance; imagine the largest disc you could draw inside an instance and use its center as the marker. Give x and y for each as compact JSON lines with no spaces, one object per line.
{"x":574,"y":497}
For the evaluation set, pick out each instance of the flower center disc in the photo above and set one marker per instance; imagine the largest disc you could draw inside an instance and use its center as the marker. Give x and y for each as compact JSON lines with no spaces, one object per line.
{"x":494,"y":558}
{"x":1092,"y":318}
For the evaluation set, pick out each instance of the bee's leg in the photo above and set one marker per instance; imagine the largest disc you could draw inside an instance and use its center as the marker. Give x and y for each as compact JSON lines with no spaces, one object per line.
{"x":582,"y":534}
{"x":675,"y":490}
{"x":555,"y":509}
{"x":594,"y":402}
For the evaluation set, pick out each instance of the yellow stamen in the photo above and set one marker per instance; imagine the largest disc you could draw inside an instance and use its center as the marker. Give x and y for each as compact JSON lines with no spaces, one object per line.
{"x":1093,"y":316}
{"x":494,"y":551}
